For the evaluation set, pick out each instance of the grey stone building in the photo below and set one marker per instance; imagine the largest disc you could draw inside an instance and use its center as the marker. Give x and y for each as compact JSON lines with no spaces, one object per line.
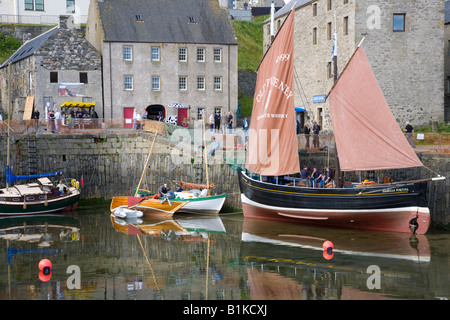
{"x":404,"y":42}
{"x":156,"y":53}
{"x":47,"y":66}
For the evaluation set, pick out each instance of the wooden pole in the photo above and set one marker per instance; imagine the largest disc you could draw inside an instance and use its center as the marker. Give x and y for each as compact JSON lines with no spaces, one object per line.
{"x":146,"y":164}
{"x":205,"y":154}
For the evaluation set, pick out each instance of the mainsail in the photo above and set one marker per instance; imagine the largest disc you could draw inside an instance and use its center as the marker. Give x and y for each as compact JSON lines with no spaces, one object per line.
{"x":367,"y":134}
{"x":272,"y":148}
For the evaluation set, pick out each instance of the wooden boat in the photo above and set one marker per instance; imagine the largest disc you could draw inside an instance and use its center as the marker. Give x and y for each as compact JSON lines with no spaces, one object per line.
{"x":197,"y":203}
{"x":36,"y":198}
{"x":147,"y":205}
{"x":367,"y":138}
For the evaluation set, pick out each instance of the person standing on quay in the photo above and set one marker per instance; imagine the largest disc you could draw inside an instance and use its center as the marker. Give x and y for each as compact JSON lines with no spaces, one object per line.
{"x":217,"y":121}
{"x":409,"y":132}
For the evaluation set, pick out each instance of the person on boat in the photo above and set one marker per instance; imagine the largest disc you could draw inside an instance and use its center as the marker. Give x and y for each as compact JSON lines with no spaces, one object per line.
{"x":61,"y":187}
{"x":315,"y":177}
{"x":162,"y":190}
{"x":409,"y":132}
{"x":326,"y":177}
{"x":215,"y":146}
{"x":304,"y":175}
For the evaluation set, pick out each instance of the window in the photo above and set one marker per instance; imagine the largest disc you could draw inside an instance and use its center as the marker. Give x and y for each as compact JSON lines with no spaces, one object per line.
{"x":314,"y":9}
{"x":70,"y":6}
{"x":218,"y":110}
{"x":201,"y":83}
{"x":155,"y":53}
{"x":398,"y":22}
{"x":182,"y":83}
{"x":345,"y":1}
{"x":37,"y":5}
{"x":53,"y":77}
{"x":128,"y":82}
{"x":200,"y":112}
{"x":217,"y":55}
{"x":182,"y":54}
{"x":127,"y":53}
{"x":329,"y":4}
{"x":314,"y":36}
{"x":217,"y":83}
{"x":83,"y":77}
{"x":156,"y":83}
{"x":329,"y":70}
{"x":200,"y":54}
{"x":329,"y":31}
{"x":345,"y":26}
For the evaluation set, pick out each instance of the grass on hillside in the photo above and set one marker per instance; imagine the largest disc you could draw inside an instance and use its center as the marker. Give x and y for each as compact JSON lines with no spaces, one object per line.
{"x":250,"y":41}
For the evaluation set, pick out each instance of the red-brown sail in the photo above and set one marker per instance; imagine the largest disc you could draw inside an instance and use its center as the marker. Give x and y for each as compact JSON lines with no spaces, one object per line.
{"x":367,"y":134}
{"x":272,"y":148}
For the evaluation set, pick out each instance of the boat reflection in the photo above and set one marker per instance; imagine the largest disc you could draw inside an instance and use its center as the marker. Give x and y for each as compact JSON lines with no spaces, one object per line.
{"x":183,"y":226}
{"x":287,"y":261}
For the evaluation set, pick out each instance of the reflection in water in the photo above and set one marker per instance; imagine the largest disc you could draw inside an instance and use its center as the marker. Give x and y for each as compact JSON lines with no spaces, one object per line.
{"x":226,"y":257}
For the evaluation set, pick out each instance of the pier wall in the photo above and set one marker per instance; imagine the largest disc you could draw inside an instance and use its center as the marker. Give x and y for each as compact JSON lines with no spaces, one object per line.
{"x":112,"y":165}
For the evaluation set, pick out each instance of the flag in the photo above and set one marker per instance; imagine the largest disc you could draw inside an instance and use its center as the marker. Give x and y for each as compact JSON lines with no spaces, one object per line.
{"x":82,"y":180}
{"x":332,"y":53}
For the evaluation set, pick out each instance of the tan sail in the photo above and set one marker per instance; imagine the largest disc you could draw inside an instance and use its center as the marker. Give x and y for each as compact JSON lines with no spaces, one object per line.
{"x":272,"y":148}
{"x":367,"y":134}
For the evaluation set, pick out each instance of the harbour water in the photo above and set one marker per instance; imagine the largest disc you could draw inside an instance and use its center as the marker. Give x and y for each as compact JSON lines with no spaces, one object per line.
{"x":96,"y":257}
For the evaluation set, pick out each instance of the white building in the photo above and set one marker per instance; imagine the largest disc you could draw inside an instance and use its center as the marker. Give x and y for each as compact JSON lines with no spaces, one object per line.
{"x":42,"y":11}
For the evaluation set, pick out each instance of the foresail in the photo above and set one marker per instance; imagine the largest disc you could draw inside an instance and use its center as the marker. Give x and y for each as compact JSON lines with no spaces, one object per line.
{"x":367,"y":134}
{"x":272,"y":148}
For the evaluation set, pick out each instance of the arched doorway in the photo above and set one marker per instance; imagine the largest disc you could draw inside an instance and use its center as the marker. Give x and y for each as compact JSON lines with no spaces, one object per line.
{"x":153,"y":111}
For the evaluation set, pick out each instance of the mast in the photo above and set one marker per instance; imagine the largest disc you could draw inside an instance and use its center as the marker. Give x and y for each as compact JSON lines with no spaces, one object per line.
{"x":9,"y":122}
{"x":272,"y":24}
{"x":338,"y":172}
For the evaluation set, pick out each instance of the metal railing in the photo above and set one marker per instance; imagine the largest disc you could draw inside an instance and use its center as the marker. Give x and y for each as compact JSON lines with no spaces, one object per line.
{"x":39,"y":19}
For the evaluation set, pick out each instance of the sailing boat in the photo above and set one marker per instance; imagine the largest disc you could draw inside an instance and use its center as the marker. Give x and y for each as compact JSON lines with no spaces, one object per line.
{"x":35,"y":197}
{"x":367,"y":138}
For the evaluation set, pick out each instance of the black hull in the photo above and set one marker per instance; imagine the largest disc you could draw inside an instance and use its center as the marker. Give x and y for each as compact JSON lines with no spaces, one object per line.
{"x":388,"y":208}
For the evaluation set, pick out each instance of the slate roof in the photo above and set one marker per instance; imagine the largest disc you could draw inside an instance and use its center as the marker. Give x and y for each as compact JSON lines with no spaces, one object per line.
{"x":29,"y":47}
{"x":166,"y":21}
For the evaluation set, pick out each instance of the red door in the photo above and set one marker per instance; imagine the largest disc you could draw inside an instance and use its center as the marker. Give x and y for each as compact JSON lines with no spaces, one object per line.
{"x":128,"y":117}
{"x":182,"y":114}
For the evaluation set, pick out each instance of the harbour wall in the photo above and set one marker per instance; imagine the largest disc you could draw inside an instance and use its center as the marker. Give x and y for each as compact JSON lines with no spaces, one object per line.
{"x":112,"y":165}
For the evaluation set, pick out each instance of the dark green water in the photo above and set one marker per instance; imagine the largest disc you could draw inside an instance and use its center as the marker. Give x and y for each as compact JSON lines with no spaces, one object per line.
{"x":226,"y":258}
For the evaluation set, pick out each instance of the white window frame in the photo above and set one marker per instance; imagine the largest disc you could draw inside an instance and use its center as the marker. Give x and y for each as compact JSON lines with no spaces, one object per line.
{"x":182,"y":54}
{"x":157,"y":53}
{"x":156,"y":83}
{"x":200,"y":113}
{"x":182,"y":83}
{"x":217,"y":83}
{"x":218,"y":55}
{"x":201,"y":83}
{"x":128,"y":84}
{"x":127,"y":56}
{"x":201,"y":54}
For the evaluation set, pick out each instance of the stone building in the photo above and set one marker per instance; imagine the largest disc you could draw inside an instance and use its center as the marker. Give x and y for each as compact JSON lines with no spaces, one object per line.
{"x":48,"y":65}
{"x":404,"y":42}
{"x":447,"y":61}
{"x":158,"y":53}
